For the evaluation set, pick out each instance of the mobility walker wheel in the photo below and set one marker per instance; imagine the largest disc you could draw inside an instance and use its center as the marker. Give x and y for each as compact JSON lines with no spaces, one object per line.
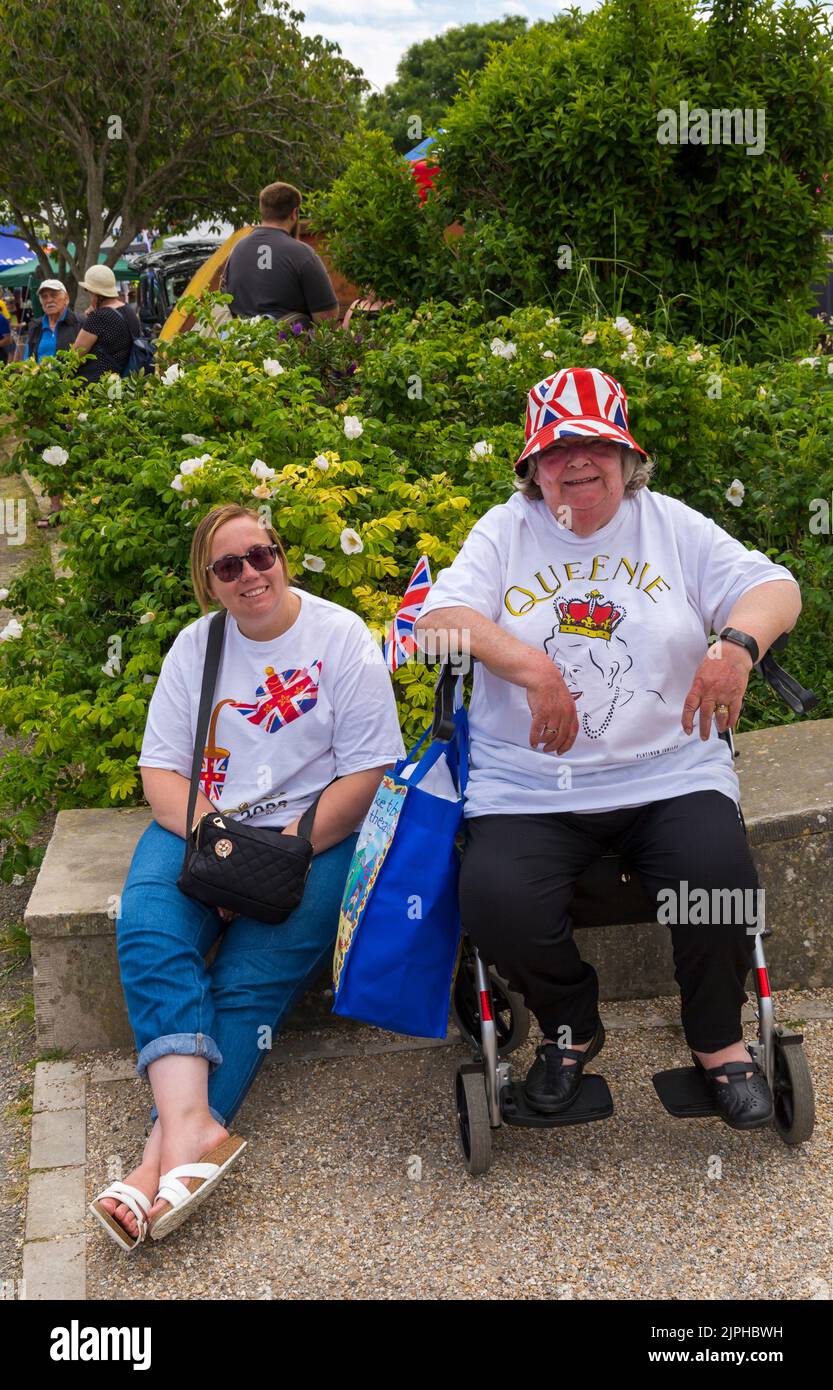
{"x":792,"y":1089}
{"x":510,"y":1013}
{"x":781,"y":1057}
{"x":493,"y":1018}
{"x":473,"y":1123}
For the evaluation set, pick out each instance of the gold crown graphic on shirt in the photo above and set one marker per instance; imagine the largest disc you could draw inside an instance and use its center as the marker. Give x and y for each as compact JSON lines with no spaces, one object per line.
{"x":588,"y":617}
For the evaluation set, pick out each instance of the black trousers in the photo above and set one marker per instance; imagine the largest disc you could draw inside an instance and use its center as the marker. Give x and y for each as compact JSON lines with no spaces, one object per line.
{"x":516,"y":885}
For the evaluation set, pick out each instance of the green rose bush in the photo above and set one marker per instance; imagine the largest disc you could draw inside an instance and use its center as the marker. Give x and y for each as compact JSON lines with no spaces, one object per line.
{"x":365,"y":449}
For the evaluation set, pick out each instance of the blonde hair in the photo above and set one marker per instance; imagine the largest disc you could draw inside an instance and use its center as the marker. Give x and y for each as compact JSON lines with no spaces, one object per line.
{"x":202,"y":542}
{"x":636,"y":470}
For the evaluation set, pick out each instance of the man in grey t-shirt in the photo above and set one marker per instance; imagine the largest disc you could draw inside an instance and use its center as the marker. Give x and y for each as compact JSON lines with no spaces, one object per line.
{"x":271,"y":272}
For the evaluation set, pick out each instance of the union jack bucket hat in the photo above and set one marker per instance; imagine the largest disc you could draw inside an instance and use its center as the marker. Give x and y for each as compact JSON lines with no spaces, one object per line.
{"x":577,"y":401}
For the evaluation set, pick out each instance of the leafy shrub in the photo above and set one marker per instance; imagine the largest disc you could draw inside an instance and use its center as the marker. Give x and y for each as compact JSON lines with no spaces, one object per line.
{"x":551,"y":162}
{"x":425,"y":387}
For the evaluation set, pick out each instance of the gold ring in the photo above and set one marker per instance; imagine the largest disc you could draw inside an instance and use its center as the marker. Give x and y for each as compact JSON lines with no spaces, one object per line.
{"x":721,"y":709}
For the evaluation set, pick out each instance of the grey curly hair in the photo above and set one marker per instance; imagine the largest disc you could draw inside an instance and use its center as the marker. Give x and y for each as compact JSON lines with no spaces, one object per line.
{"x":636,"y":471}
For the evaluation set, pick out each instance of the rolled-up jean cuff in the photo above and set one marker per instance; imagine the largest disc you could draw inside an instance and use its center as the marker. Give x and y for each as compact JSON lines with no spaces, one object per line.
{"x":181,"y":1045}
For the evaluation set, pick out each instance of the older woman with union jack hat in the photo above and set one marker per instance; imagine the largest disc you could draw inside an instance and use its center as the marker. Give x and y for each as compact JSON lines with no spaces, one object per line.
{"x":588,"y":600}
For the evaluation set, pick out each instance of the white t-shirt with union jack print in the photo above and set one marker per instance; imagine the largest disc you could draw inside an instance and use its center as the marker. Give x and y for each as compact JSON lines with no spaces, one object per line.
{"x":288,"y":715}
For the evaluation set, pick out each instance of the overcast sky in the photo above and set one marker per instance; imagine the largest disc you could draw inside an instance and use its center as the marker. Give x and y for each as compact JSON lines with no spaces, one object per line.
{"x":374,"y":34}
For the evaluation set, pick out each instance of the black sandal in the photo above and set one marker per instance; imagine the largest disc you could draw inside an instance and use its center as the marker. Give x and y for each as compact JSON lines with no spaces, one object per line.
{"x":742,"y":1102}
{"x":550,"y":1087}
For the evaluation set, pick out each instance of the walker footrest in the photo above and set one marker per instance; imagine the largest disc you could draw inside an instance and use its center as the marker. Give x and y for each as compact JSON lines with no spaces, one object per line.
{"x":684,"y":1093}
{"x":593,"y":1102}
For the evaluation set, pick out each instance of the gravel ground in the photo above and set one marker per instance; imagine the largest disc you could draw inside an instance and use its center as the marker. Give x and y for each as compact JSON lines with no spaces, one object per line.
{"x":17,"y":1042}
{"x":639,"y":1206}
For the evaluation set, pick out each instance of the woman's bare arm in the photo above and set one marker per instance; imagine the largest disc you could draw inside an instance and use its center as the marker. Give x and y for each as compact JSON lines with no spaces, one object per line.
{"x":550,"y":702}
{"x":167,"y":795}
{"x":84,"y":343}
{"x":342,"y":806}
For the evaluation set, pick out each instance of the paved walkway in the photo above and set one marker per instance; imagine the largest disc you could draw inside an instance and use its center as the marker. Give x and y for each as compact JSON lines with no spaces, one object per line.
{"x":17,"y":1043}
{"x":352,"y":1185}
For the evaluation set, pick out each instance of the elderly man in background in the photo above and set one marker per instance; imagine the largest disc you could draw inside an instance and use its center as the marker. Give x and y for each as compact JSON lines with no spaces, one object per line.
{"x":57,"y":329}
{"x":54,"y":332}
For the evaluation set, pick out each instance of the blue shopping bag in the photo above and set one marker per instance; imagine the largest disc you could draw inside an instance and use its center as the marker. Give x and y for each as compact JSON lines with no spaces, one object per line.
{"x":399,"y":925}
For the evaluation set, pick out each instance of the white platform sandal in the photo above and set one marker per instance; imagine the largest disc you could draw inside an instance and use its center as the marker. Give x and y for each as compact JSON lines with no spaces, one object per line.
{"x":188,"y":1185}
{"x":132,"y":1198}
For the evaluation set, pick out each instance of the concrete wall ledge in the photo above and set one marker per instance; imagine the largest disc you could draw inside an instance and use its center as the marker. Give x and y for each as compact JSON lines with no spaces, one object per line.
{"x":786,"y":777}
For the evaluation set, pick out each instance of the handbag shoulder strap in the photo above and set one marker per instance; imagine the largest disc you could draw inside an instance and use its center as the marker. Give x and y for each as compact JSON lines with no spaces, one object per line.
{"x":216,"y":632}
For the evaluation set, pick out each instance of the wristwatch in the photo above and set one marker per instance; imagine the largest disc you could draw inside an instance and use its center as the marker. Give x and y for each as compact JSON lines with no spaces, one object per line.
{"x":742,"y":639}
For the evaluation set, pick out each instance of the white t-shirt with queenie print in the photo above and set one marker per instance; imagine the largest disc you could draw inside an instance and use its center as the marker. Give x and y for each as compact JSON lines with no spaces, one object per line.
{"x":625,"y":614}
{"x":287,"y":716}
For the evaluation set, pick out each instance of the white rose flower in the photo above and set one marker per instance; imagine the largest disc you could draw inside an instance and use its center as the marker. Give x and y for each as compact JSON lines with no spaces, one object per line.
{"x":499,"y":348}
{"x":261,"y":470}
{"x":809,"y":362}
{"x":351,"y":541}
{"x":353,"y":426}
{"x":11,"y":630}
{"x":480,"y":450}
{"x":177,"y":483}
{"x":321,"y":461}
{"x":735,"y":492}
{"x":4,"y":593}
{"x":272,"y":366}
{"x":548,"y":353}
{"x":195,"y":439}
{"x":695,"y":356}
{"x":589,"y":337}
{"x":55,"y":455}
{"x":314,"y":563}
{"x":553,"y":323}
{"x":172,"y":374}
{"x":624,"y":325}
{"x":630,"y":354}
{"x":81,"y":417}
{"x":189,"y":466}
{"x":761,"y":393}
{"x":147,"y":617}
{"x":261,"y":490}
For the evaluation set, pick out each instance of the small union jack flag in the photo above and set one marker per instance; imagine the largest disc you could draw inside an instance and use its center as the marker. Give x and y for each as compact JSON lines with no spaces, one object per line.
{"x":400,"y":645}
{"x":214,"y":769}
{"x":284,"y":696}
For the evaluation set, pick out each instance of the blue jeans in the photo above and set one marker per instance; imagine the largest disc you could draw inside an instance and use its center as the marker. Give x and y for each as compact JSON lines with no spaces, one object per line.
{"x":229,"y":1011}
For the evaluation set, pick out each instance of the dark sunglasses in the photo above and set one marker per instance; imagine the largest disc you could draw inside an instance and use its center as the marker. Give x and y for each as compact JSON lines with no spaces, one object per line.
{"x":230,"y":567}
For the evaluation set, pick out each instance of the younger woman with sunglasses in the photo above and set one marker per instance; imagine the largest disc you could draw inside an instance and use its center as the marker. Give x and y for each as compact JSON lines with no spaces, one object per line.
{"x":302,"y":697}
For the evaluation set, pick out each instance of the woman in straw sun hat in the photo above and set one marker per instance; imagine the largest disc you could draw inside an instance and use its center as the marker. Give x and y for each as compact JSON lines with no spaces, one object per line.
{"x":109,"y":327}
{"x":588,"y":600}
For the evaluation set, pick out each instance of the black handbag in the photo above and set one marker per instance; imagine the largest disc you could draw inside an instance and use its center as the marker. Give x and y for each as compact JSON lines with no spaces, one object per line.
{"x":256,"y":871}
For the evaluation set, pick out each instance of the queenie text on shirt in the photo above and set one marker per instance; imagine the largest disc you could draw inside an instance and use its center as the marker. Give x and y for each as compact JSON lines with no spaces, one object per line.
{"x":519,"y":600}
